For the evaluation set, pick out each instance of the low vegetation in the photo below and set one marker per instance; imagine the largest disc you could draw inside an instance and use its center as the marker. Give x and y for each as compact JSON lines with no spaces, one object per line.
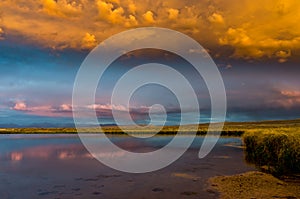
{"x":275,"y":150}
{"x":230,"y":128}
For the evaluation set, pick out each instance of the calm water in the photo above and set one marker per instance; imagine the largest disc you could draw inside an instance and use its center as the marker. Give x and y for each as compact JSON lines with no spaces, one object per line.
{"x":58,"y":166}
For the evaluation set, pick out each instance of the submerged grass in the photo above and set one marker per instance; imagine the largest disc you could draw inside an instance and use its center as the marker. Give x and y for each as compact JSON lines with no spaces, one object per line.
{"x":274,"y":150}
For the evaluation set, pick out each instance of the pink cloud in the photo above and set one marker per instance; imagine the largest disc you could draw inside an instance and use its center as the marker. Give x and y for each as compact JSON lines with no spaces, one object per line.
{"x":287,"y":99}
{"x":53,"y":151}
{"x":65,"y":107}
{"x":108,"y":107}
{"x":20,"y":106}
{"x":291,"y":94}
{"x":44,"y":110}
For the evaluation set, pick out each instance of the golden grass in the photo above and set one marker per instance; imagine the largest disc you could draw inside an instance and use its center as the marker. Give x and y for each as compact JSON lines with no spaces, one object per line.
{"x":230,"y":128}
{"x":274,"y":150}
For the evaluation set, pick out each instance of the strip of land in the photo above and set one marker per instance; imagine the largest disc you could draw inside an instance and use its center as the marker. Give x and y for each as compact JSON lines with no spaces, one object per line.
{"x":229,"y":129}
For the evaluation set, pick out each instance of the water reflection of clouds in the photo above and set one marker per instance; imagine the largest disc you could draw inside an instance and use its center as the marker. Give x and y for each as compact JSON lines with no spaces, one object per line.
{"x":109,"y":154}
{"x":49,"y":152}
{"x":52,"y":152}
{"x":16,"y":156}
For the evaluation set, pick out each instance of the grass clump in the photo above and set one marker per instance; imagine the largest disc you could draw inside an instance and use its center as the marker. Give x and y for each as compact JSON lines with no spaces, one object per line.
{"x":274,"y":150}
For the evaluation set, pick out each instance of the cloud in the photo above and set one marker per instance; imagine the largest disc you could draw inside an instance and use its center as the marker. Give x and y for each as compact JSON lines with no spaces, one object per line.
{"x":265,"y":30}
{"x":38,"y":110}
{"x":189,"y":20}
{"x":20,"y":106}
{"x":288,"y":99}
{"x":108,"y":13}
{"x":108,"y":107}
{"x":283,"y":55}
{"x":116,"y":15}
{"x":149,"y":17}
{"x":1,"y":34}
{"x":236,"y":37}
{"x":131,"y":21}
{"x":291,"y":94}
{"x":216,"y":18}
{"x":44,"y":110}
{"x":89,"y":41}
{"x":131,"y":7}
{"x":252,"y":29}
{"x":284,"y":98}
{"x":62,"y":8}
{"x":228,"y":66}
{"x":244,"y":45}
{"x":173,"y":13}
{"x":251,"y":48}
{"x":65,"y":107}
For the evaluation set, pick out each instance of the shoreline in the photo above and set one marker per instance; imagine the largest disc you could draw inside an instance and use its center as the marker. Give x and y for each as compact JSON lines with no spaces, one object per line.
{"x":254,"y":184}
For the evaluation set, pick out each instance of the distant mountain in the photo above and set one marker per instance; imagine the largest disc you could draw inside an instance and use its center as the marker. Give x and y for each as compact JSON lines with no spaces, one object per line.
{"x":38,"y":125}
{"x":72,"y":125}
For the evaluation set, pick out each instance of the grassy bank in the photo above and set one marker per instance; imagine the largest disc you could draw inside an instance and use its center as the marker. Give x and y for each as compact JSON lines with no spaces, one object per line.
{"x":275,"y":150}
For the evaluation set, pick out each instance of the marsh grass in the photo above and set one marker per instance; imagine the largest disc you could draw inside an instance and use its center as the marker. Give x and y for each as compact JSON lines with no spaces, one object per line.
{"x":230,"y":128}
{"x":274,"y":150}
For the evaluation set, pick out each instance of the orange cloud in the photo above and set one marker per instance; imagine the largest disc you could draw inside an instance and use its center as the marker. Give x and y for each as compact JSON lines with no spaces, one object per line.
{"x":268,"y":29}
{"x":283,"y":55}
{"x":1,"y":34}
{"x":173,"y":13}
{"x":236,"y":37}
{"x":216,"y":18}
{"x":89,"y":41}
{"x":116,"y":15}
{"x":149,"y":17}
{"x":131,"y":7}
{"x":254,"y":30}
{"x":109,"y":13}
{"x":62,"y":8}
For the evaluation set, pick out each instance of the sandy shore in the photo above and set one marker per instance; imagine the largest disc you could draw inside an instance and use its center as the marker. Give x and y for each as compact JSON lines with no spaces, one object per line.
{"x":254,"y":185}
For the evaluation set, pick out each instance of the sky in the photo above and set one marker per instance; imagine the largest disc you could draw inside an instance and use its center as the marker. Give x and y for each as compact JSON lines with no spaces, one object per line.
{"x":254,"y":43}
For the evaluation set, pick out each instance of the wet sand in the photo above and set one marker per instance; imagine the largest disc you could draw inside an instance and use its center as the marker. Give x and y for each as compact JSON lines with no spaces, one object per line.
{"x":62,"y":168}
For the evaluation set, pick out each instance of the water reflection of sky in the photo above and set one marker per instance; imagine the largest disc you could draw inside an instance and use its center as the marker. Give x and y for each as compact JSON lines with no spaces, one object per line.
{"x":16,"y":148}
{"x":58,"y":166}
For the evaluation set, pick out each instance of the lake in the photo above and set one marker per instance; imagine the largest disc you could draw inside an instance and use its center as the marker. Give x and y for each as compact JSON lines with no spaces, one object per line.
{"x":58,"y":166}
